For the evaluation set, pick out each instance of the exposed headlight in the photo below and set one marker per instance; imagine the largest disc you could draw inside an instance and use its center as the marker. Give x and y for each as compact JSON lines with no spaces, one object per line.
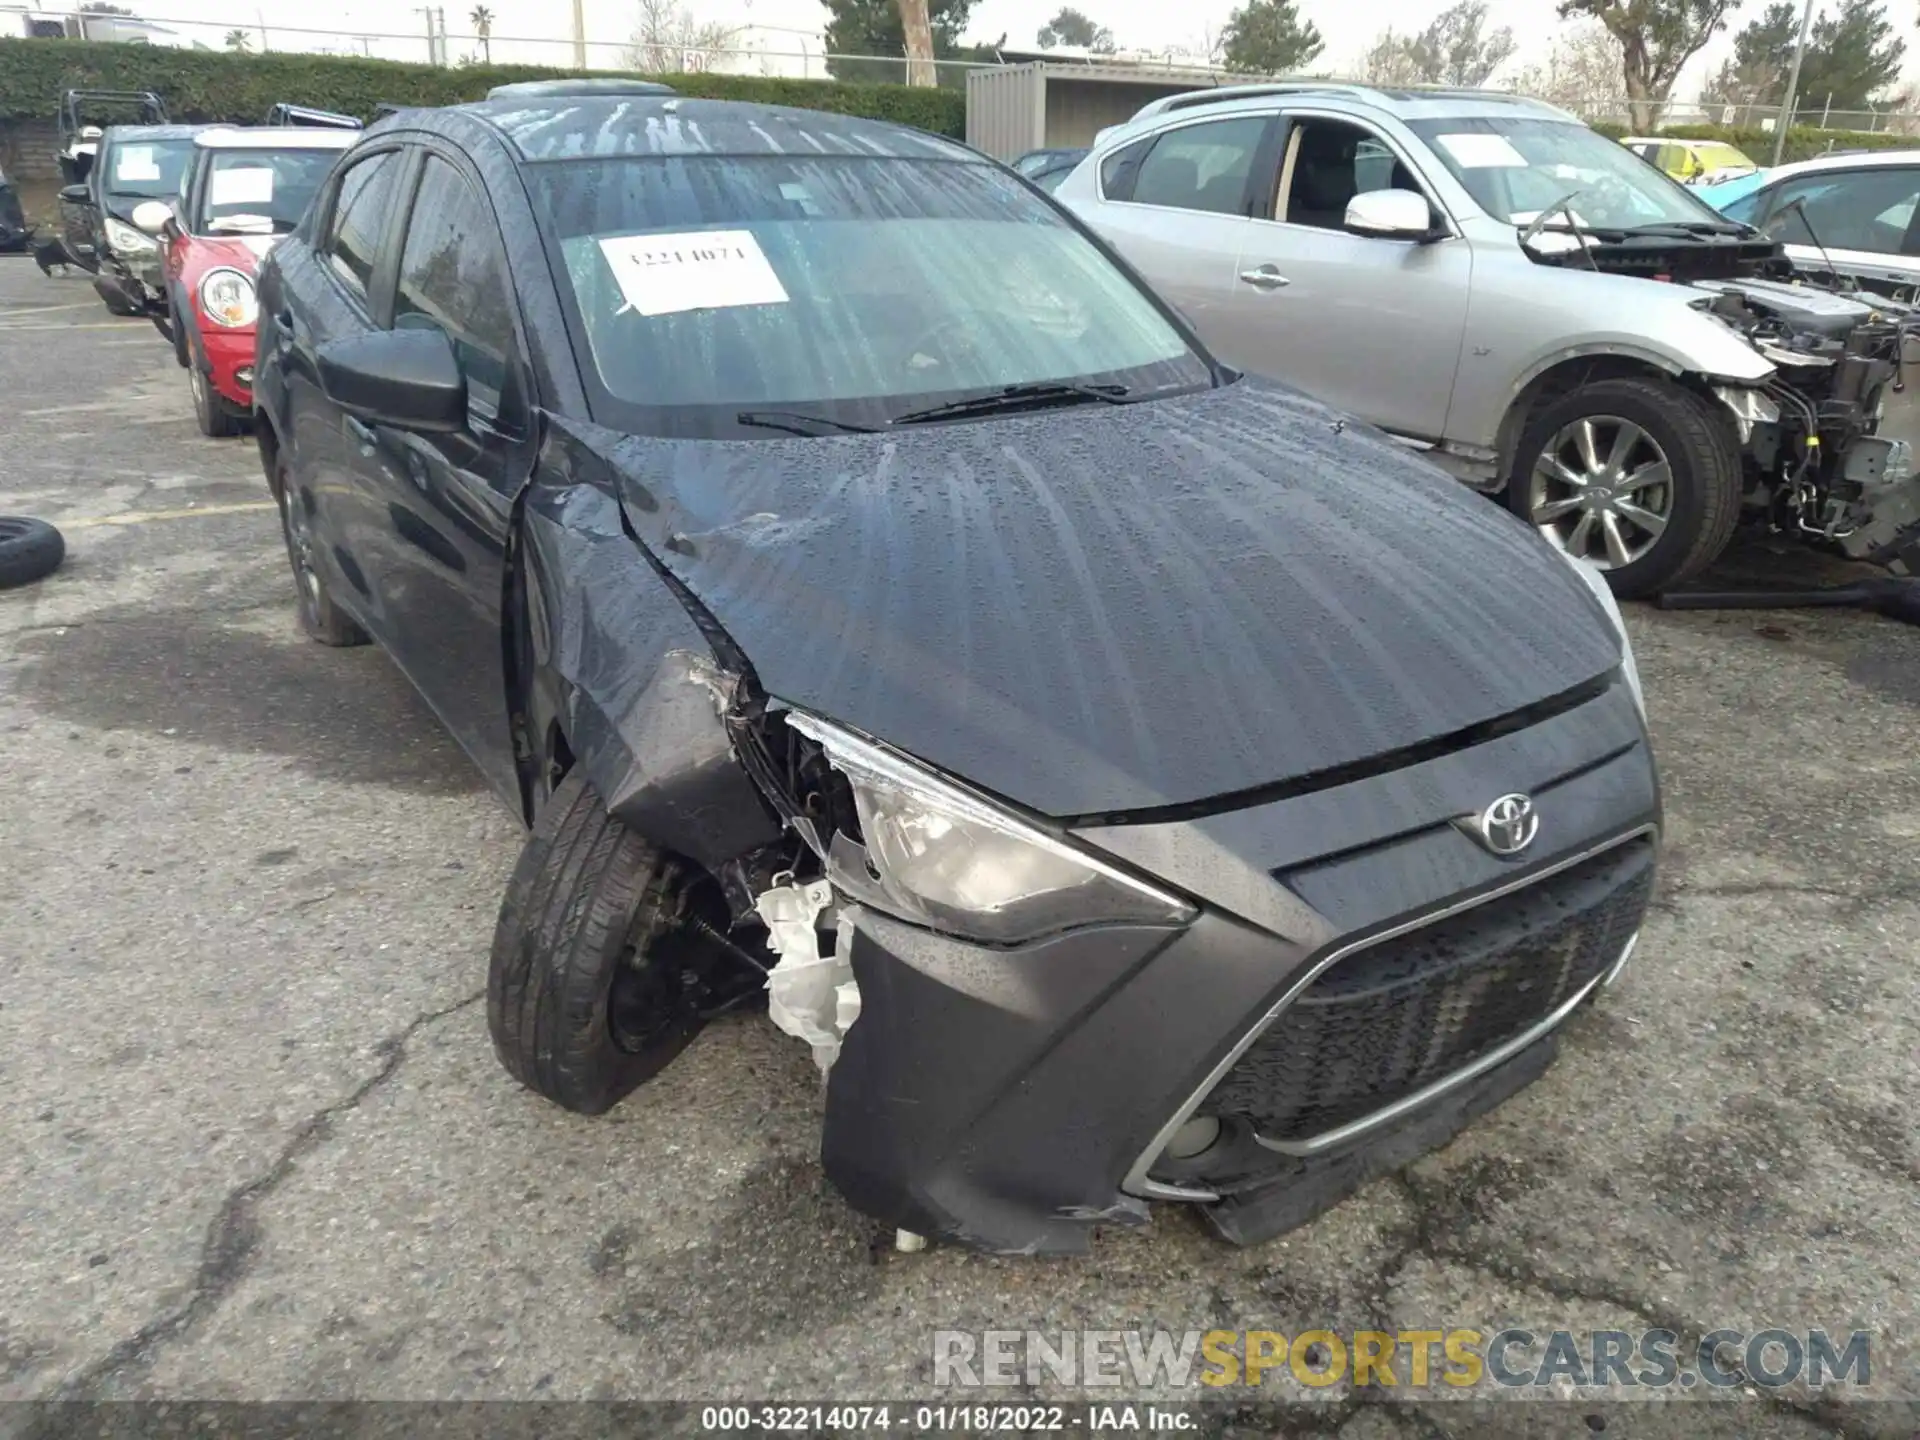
{"x":123,"y":239}
{"x":1597,"y":583}
{"x":945,"y":857}
{"x":227,"y":297}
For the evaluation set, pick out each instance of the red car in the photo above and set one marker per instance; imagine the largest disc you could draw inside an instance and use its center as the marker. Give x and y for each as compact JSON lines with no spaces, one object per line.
{"x":244,"y":190}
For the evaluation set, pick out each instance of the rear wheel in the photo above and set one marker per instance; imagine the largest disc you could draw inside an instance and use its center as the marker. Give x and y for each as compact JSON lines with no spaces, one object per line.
{"x":1638,"y":477}
{"x":319,"y":616}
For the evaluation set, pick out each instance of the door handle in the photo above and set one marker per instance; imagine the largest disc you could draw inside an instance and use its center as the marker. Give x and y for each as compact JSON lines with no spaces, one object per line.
{"x":361,"y":432}
{"x":1265,"y":278}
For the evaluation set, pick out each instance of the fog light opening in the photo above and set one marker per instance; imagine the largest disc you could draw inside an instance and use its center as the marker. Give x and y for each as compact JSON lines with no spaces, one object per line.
{"x":1194,"y":1138}
{"x":244,"y":376}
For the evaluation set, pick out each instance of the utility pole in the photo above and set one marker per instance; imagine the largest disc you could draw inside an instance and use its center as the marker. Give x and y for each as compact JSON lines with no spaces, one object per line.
{"x":1793,"y":84}
{"x":579,"y":34}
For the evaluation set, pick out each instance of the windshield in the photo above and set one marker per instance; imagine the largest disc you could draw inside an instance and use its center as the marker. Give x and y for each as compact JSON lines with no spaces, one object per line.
{"x":262,"y":192}
{"x":148,"y":169}
{"x":1515,"y":168}
{"x":849,"y":287}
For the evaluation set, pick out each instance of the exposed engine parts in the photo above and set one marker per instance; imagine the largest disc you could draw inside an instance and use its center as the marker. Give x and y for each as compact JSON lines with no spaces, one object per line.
{"x":1815,"y":463}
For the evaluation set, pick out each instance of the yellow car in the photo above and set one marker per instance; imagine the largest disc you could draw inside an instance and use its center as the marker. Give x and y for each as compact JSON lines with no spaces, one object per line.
{"x":1692,"y":162}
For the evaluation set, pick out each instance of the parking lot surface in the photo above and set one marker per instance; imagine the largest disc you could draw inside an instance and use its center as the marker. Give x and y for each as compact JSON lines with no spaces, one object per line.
{"x":255,"y":1143}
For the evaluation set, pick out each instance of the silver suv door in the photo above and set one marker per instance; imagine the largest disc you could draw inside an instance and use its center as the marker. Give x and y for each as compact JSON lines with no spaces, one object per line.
{"x":1369,"y":325}
{"x":1176,"y":203}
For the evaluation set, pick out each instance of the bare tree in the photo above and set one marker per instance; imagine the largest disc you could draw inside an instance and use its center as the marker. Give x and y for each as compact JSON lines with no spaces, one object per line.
{"x":1654,"y":40}
{"x":670,"y":40}
{"x":1581,"y":72}
{"x":1390,"y":61}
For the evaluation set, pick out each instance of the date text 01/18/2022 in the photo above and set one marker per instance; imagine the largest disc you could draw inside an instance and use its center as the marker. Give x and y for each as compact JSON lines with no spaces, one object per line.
{"x":944,"y":1419}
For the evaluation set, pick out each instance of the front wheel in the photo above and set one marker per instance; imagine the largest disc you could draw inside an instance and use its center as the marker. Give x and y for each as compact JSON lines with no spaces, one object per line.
{"x":1640,"y":478}
{"x":210,"y":410}
{"x":593,"y":986}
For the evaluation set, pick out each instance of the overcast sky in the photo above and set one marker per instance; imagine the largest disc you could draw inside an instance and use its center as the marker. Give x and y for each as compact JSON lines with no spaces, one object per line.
{"x":1347,"y":25}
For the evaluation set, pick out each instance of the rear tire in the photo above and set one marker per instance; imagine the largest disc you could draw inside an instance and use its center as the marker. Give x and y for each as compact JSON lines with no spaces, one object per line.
{"x":587,"y":996}
{"x":1697,"y":505}
{"x":319,"y":616}
{"x":29,"y":550}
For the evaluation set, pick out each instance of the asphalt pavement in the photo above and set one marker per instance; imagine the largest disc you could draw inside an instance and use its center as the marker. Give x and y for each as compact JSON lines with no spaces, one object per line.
{"x":254,"y":1143}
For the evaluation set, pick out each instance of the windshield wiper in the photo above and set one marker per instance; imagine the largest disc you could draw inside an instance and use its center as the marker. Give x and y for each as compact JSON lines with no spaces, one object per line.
{"x":1019,"y":397}
{"x":1688,"y":227}
{"x":1563,"y":206}
{"x":800,"y":422}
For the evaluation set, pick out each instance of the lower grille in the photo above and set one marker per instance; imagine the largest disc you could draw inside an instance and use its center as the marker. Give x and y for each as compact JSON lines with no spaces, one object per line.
{"x":1394,"y":1017}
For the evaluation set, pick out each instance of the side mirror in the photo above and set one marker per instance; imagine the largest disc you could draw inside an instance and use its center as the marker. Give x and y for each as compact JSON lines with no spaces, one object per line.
{"x":76,"y":195}
{"x":152,"y":217}
{"x":1391,"y":215}
{"x":408,"y":379}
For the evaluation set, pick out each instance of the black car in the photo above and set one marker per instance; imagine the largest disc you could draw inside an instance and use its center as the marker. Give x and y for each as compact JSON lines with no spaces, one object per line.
{"x":1047,"y":168}
{"x":15,"y":232}
{"x":136,"y":163}
{"x":1139,"y":781}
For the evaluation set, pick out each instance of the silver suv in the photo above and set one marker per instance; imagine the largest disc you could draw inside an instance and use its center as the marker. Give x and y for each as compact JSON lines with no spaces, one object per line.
{"x":1544,"y":313}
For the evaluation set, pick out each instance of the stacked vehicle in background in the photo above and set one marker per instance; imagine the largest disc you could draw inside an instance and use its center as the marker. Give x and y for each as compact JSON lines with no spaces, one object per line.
{"x":242,"y":191}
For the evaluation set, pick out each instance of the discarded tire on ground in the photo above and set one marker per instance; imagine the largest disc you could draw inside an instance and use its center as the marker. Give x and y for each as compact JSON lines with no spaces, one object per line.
{"x":29,"y":549}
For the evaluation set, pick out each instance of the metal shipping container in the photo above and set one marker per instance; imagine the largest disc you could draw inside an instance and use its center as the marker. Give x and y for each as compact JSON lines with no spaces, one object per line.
{"x":1012,"y":109}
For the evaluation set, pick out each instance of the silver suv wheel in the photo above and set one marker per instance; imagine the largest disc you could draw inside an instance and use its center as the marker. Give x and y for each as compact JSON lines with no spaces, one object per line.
{"x":1602,"y":490}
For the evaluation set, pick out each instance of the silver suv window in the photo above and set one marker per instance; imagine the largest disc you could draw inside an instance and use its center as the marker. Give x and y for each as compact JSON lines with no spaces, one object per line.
{"x":1195,"y":167}
{"x":1328,"y":162}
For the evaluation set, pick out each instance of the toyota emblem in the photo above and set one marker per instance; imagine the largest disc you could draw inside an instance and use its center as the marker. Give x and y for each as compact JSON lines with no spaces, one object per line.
{"x":1506,"y":827}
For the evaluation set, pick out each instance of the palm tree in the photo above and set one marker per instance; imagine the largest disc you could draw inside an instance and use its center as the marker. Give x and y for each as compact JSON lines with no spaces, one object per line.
{"x":482,"y":19}
{"x":239,"y":41}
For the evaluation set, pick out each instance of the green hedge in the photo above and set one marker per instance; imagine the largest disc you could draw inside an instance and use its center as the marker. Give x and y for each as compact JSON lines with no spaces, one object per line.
{"x":200,"y":85}
{"x":1803,"y":141}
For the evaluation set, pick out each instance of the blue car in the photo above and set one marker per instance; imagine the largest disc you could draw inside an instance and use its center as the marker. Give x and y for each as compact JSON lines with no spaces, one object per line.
{"x":1723,"y":193}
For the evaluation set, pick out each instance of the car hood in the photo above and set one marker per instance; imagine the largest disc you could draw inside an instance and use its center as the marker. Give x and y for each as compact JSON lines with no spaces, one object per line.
{"x":1116,"y":608}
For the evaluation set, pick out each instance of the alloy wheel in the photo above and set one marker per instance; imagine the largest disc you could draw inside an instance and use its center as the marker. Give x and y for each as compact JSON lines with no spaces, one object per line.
{"x":1602,"y":490}
{"x":300,"y":547}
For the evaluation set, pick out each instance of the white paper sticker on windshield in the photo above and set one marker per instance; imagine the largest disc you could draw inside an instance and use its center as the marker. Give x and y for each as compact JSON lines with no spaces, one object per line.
{"x":694,"y":270}
{"x":1483,"y":152}
{"x":241,"y":187}
{"x":135,"y":162}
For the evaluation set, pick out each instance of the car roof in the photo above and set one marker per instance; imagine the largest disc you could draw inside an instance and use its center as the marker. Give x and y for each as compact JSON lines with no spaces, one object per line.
{"x":116,"y":134}
{"x":1852,"y":160}
{"x":580,"y":127}
{"x":276,"y":137}
{"x":1409,"y":103}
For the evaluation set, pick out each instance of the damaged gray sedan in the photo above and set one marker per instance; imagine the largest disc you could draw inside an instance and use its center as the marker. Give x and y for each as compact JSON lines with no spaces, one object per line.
{"x":1130,"y":779}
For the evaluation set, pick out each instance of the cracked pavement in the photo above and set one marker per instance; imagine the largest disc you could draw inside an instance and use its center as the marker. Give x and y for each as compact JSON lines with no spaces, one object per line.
{"x":256,"y":1144}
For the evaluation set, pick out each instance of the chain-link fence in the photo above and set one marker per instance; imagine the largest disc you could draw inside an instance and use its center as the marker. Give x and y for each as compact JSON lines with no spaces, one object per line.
{"x":677,"y":42}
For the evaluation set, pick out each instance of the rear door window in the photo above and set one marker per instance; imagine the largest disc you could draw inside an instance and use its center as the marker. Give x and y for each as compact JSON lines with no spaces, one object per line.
{"x":1202,"y":167}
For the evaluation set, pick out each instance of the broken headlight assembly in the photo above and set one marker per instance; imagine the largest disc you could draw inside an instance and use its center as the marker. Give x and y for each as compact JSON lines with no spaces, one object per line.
{"x":123,"y":239}
{"x":939,"y":855}
{"x":227,"y":297}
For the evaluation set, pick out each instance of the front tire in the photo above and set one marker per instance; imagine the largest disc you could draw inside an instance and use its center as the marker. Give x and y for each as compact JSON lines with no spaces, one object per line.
{"x":588,"y":994}
{"x":1639,"y":477}
{"x":319,"y":616}
{"x":210,"y":410}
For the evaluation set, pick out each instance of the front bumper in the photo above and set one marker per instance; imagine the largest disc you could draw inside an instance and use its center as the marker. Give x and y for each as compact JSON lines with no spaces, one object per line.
{"x":229,"y":358}
{"x":1016,"y":1099}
